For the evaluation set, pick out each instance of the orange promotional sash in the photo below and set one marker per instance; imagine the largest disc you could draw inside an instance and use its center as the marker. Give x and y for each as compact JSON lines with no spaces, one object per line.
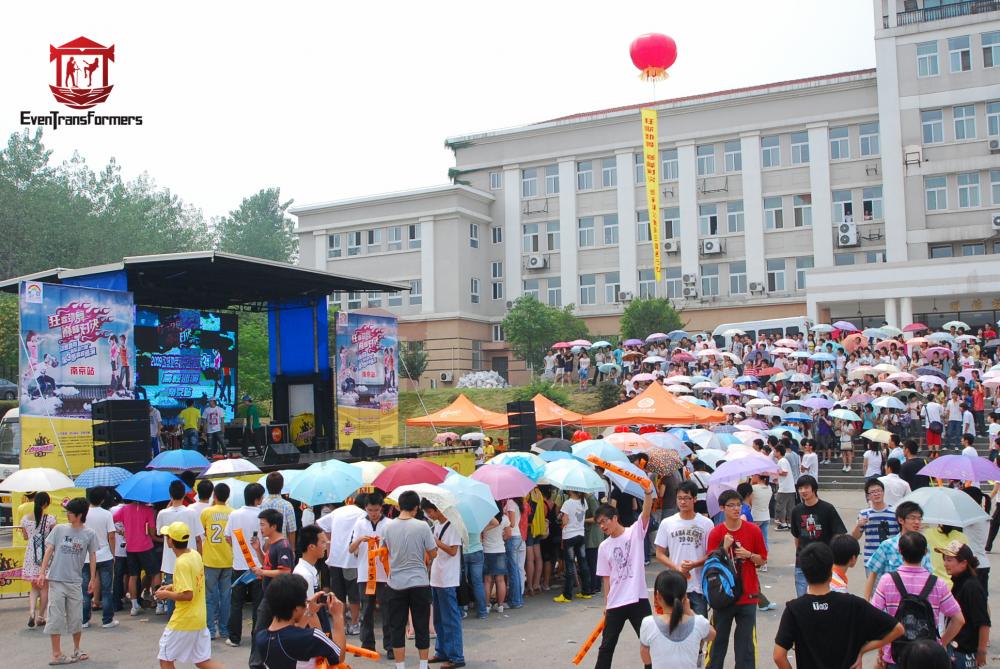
{"x":247,"y":553}
{"x":375,"y":553}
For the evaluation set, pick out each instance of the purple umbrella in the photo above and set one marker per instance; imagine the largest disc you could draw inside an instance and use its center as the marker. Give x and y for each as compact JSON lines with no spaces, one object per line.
{"x":818,"y":403}
{"x":962,"y":468}
{"x":726,"y":391}
{"x":633,"y":342}
{"x":505,"y":482}
{"x":845,"y":326}
{"x":712,"y":496}
{"x":753,"y":423}
{"x":741,"y":468}
{"x":657,"y":336}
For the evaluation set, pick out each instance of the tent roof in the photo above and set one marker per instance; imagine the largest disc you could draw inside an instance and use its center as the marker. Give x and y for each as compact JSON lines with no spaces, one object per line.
{"x":460,"y":413}
{"x":547,"y":414}
{"x":654,"y":406}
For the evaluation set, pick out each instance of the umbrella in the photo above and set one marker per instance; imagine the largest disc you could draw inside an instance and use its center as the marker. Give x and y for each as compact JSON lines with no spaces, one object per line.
{"x":958,"y":325}
{"x":845,"y":326}
{"x":657,"y":336}
{"x":737,"y":470}
{"x":473,"y":436}
{"x":108,"y":477}
{"x":769,"y":410}
{"x":552,"y":444}
{"x":601,"y":448}
{"x":36,"y":479}
{"x":915,"y":327}
{"x":800,"y":378}
{"x":605,"y":368}
{"x":705,"y":439}
{"x":633,"y":342}
{"x":230,"y":467}
{"x":888,"y":403}
{"x":179,"y":461}
{"x":798,"y":417}
{"x":710,"y":456}
{"x":753,"y":424}
{"x":629,"y":486}
{"x":786,"y":342}
{"x":628,"y":441}
{"x":663,"y":461}
{"x":475,"y":501}
{"x":601,"y":344}
{"x":885,"y":387}
{"x":927,"y":378}
{"x":406,"y":472}
{"x":682,"y":356}
{"x":823,"y":357}
{"x":823,"y":328}
{"x":445,"y":436}
{"x":653,"y":360}
{"x":705,"y":385}
{"x":779,"y":432}
{"x":236,"y":488}
{"x":572,"y":475}
{"x":758,"y":403}
{"x":860,"y":372}
{"x":642,"y":378}
{"x":444,"y":499}
{"x":678,"y":378}
{"x":369,"y":470}
{"x":993,"y":343}
{"x":677,"y":388}
{"x":881,"y":436}
{"x":817,"y":403}
{"x":733,"y":409}
{"x":938,"y":350}
{"x":580,"y":342}
{"x":695,"y":400}
{"x":905,"y":394}
{"x":800,"y":354}
{"x":845,"y":414}
{"x":930,"y":371}
{"x":326,"y":482}
{"x":561,"y":344}
{"x":668,"y":441}
{"x":528,"y":464}
{"x":733,"y":332}
{"x":746,"y":378}
{"x":962,"y":468}
{"x":938,"y":337}
{"x":288,"y":476}
{"x":902,"y":377}
{"x":148,"y":486}
{"x":874,"y":333}
{"x":677,"y":335}
{"x":886,"y":367}
{"x":552,"y":456}
{"x":946,"y":506}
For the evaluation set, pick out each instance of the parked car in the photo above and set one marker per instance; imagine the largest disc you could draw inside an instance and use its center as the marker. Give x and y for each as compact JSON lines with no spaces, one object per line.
{"x":8,"y":389}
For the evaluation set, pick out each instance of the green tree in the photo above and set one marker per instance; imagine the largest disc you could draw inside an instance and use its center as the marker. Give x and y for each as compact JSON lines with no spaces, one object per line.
{"x":412,"y":360}
{"x":538,"y":385}
{"x":531,"y":327}
{"x":9,"y":330}
{"x":260,"y":227}
{"x":647,"y":315}
{"x":254,"y":370}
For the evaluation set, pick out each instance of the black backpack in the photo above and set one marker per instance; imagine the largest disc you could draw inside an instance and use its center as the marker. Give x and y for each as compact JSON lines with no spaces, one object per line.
{"x":915,"y":614}
{"x":720,"y":581}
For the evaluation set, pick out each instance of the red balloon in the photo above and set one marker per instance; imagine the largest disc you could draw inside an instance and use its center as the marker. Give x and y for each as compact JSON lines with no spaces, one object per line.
{"x":653,"y":53}
{"x":580,"y":435}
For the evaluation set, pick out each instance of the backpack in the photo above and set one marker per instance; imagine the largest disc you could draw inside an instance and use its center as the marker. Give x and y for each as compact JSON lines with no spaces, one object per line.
{"x":720,"y":582}
{"x":915,"y":614}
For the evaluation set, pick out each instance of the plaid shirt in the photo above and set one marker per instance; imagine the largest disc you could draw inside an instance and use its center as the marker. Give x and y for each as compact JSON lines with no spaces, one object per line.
{"x":887,"y":558}
{"x":285,"y":507}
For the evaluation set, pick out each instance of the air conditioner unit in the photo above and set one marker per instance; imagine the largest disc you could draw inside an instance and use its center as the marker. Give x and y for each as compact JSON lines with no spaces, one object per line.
{"x":690,"y":292}
{"x":711,"y":247}
{"x":625,"y":296}
{"x":689,"y":279}
{"x":672,"y":246}
{"x":847,"y":234}
{"x":995,"y":146}
{"x":445,"y":377}
{"x":756,"y":287}
{"x":536,"y":261}
{"x":996,"y":222}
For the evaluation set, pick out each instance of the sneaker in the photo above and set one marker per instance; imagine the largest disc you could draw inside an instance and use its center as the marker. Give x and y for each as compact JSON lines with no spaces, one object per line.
{"x":86,"y":625}
{"x":763,"y":568}
{"x":161,"y":608}
{"x":561,"y":600}
{"x":113,"y":623}
{"x":135,"y":610}
{"x":354,"y":630}
{"x":389,"y":655}
{"x":771,"y":606}
{"x":232,"y":644}
{"x":500,"y":609}
{"x":580,"y":595}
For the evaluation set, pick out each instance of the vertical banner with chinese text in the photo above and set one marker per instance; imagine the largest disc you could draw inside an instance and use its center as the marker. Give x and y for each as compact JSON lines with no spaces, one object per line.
{"x":651,"y":159}
{"x":367,"y":379}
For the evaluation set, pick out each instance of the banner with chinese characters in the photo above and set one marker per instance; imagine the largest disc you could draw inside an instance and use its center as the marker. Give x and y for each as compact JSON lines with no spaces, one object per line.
{"x":11,"y":562}
{"x":367,"y":379}
{"x":651,"y":159}
{"x":76,"y":347}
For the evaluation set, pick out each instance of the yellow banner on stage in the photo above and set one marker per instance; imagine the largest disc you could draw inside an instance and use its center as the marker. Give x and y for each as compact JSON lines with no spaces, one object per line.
{"x":64,"y":444}
{"x":57,"y":507}
{"x":651,"y":158}
{"x":11,"y":562}
{"x":462,"y":462}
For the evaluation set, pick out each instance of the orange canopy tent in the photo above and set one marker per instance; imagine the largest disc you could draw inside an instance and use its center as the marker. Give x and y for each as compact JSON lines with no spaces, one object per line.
{"x":460,"y":413}
{"x":547,"y":414}
{"x":654,"y":406}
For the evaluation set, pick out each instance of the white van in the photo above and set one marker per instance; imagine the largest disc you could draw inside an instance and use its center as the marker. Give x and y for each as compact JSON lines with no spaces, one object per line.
{"x":10,"y":457}
{"x":782,"y":327}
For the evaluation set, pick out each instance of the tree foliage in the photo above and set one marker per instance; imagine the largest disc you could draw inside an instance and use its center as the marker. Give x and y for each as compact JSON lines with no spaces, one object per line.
{"x":531,"y":327}
{"x":648,"y":315}
{"x":260,"y":227}
{"x":412,"y":360}
{"x":538,"y":385}
{"x":254,"y":370}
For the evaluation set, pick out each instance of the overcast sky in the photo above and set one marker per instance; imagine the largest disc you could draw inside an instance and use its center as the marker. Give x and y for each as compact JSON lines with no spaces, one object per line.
{"x":334,"y":100}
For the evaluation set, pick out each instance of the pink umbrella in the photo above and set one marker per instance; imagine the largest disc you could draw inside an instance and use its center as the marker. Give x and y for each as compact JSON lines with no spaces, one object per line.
{"x":682,"y":356}
{"x":726,"y":390}
{"x":641,"y":378}
{"x":753,"y":423}
{"x":580,"y":342}
{"x":845,"y":326}
{"x":657,"y":336}
{"x":915,"y":327}
{"x":561,"y":344}
{"x":790,"y":343}
{"x":904,"y":377}
{"x":504,"y":481}
{"x":966,"y":373}
{"x":886,"y":387}
{"x":733,"y":409}
{"x":940,"y":350}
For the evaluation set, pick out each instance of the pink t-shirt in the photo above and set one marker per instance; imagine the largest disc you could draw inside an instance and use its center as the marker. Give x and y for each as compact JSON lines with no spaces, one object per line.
{"x":622,"y":559}
{"x":886,"y":597}
{"x":135,"y":518}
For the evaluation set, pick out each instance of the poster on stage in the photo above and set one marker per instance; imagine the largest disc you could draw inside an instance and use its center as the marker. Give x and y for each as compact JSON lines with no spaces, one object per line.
{"x":76,"y":347}
{"x":367,"y":379}
{"x":11,"y":563}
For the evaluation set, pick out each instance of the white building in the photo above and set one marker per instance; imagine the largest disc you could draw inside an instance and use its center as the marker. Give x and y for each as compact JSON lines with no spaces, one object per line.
{"x":851,"y":195}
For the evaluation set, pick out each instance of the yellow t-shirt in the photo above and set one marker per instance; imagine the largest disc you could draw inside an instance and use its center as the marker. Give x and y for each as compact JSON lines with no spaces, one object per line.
{"x":190,"y":418}
{"x":189,"y":576}
{"x":217,"y":553}
{"x":937,"y":539}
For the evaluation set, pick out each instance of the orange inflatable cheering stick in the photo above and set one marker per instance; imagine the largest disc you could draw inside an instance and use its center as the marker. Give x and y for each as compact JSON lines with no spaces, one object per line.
{"x":589,"y":642}
{"x":615,"y":469}
{"x":375,"y":553}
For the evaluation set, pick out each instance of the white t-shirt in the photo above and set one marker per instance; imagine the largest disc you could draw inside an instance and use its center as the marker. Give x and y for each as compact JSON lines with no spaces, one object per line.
{"x":244,"y":518}
{"x":576,"y":511}
{"x":512,"y":506}
{"x":810,"y":463}
{"x":993,"y":429}
{"x":760,"y":508}
{"x":621,"y":559}
{"x":198,"y":507}
{"x":189,"y":517}
{"x":873,"y":463}
{"x":895,"y":488}
{"x":214,"y":417}
{"x":786,"y":483}
{"x":102,"y":523}
{"x":120,"y":530}
{"x":954,"y":410}
{"x":968,"y":423}
{"x":446,"y":570}
{"x":339,"y":525}
{"x":932,"y":413}
{"x":686,"y":540}
{"x":363,"y":528}
{"x":493,"y":538}
{"x":667,"y":654}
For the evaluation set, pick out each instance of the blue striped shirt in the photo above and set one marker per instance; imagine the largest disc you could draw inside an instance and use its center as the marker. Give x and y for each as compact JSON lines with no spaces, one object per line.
{"x":879,"y":526}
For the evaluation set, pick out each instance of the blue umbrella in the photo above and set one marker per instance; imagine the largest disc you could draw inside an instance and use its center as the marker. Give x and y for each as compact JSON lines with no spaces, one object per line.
{"x":602,"y":449}
{"x":326,"y":482}
{"x":528,"y":464}
{"x":800,"y":354}
{"x":727,"y":439}
{"x":676,"y":335}
{"x":798,"y":417}
{"x":149,"y":486}
{"x":179,"y":461}
{"x":747,"y":378}
{"x":475,"y":501}
{"x":629,"y":486}
{"x":600,"y":344}
{"x":552,"y":456}
{"x":108,"y":477}
{"x":680,"y":433}
{"x":667,"y":440}
{"x":779,"y":432}
{"x":823,"y":357}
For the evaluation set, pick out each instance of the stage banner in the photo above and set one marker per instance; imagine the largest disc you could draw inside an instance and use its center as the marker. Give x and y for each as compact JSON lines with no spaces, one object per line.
{"x":11,"y":562}
{"x":651,"y":158}
{"x":367,"y":379}
{"x":57,"y":507}
{"x":76,"y":347}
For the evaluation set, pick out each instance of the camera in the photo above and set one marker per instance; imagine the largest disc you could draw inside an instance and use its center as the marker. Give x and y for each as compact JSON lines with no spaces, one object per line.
{"x":322,"y":599}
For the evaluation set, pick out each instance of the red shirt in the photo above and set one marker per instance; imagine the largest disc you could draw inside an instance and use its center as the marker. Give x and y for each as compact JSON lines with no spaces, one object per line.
{"x":750,"y":537}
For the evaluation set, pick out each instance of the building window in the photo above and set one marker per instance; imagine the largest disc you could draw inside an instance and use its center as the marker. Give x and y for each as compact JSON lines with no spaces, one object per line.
{"x":800,"y":148}
{"x":871,"y":203}
{"x":671,"y":223}
{"x":551,"y":179}
{"x":995,"y":185}
{"x":374,"y":299}
{"x":612,"y":286}
{"x":477,"y":355}
{"x":474,"y":235}
{"x":840,"y":147}
{"x":609,"y":173}
{"x":354,"y":299}
{"x":585,"y":232}
{"x":497,"y":288}
{"x":416,"y":291}
{"x":529,"y":182}
{"x":802,"y":263}
{"x":496,"y":180}
{"x":414,"y":236}
{"x":706,"y":160}
{"x":738,"y":278}
{"x":554,"y":291}
{"x":710,"y":280}
{"x":802,"y":210}
{"x":610,"y":226}
{"x":965,"y":121}
{"x":843,"y":207}
{"x":647,"y":284}
{"x":932,"y":123}
{"x":354,"y":243}
{"x":869,"y":139}
{"x":496,"y":269}
{"x":395,"y":238}
{"x":333,"y":246}
{"x":991,"y":49}
{"x":734,"y":156}
{"x":941,"y":252}
{"x":640,"y":168}
{"x":993,"y":119}
{"x":552,"y":235}
{"x":669,"y":166}
{"x":936,"y":193}
{"x":773,"y":216}
{"x":708,"y":220}
{"x":588,"y":289}
{"x":843,"y":259}
{"x":642,"y":234}
{"x":770,"y":151}
{"x":974,"y":249}
{"x":529,"y":287}
{"x":927,"y":59}
{"x":498,"y":333}
{"x":734,"y":216}
{"x":374,"y":240}
{"x":959,"y":54}
{"x":674,"y":282}
{"x":474,"y":290}
{"x":968,"y":190}
{"x":775,"y":275}
{"x":585,"y":175}
{"x":496,"y":234}
{"x":529,"y":238}
{"x":873,"y":257}
{"x":395,"y":299}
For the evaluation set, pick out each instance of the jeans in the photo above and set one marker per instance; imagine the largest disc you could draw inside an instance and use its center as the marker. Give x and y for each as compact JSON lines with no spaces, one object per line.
{"x":474,"y":573}
{"x":215,"y":443}
{"x":191,"y":441}
{"x":368,"y":602}
{"x":800,"y":583}
{"x":515,"y":577}
{"x":614,"y":622}
{"x":105,"y":573}
{"x":575,"y":553}
{"x":763,"y":525}
{"x":447,"y":624}
{"x":744,"y":640}
{"x":264,"y":620}
{"x":699,"y":604}
{"x":595,"y":582}
{"x":168,"y":579}
{"x":237,"y":596}
{"x":155,"y":443}
{"x":119,"y":587}
{"x":960,"y":660}
{"x":218,"y":586}
{"x":953,"y":434}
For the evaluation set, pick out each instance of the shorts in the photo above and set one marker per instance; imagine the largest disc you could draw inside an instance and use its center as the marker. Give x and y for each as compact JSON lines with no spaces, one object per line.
{"x":139,"y":561}
{"x":495,"y":564}
{"x":559,"y":372}
{"x":531,"y":540}
{"x":847,"y":445}
{"x":65,"y":612}
{"x":584,"y":373}
{"x":933,"y":438}
{"x":344,"y":583}
{"x":187,"y":647}
{"x":825,"y":441}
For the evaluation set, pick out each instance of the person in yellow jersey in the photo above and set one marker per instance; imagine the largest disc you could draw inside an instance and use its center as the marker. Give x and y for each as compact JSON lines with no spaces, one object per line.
{"x":488,"y":449}
{"x":190,"y":419}
{"x":186,"y":637}
{"x":218,"y":556}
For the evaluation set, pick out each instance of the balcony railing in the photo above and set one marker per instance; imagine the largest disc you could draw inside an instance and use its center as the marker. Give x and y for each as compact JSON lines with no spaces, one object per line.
{"x":943,"y":12}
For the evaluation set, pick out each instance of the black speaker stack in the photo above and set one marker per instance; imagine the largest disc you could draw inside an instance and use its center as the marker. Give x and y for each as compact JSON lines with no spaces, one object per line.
{"x":121,"y":434}
{"x":280,"y":454}
{"x":522,"y":430}
{"x":365,"y":448}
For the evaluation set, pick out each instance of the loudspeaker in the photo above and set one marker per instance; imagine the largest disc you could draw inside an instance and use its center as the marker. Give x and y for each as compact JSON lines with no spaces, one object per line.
{"x":281,"y":454}
{"x":121,"y":430}
{"x":121,"y":452}
{"x":276,"y":433}
{"x":120,"y":410}
{"x":365,"y":448}
{"x":523,"y":431}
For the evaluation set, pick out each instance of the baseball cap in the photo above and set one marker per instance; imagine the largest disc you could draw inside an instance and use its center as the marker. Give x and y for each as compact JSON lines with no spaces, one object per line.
{"x":177,"y":531}
{"x":955,"y":549}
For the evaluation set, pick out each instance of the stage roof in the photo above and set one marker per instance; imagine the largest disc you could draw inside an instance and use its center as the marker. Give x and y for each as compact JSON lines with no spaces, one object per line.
{"x":210,"y":280}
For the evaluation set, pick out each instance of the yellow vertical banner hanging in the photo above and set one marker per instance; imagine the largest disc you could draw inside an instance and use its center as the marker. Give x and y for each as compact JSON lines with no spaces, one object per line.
{"x":651,"y":158}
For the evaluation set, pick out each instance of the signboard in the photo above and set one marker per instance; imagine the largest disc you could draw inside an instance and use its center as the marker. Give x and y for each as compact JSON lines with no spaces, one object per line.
{"x":11,"y":562}
{"x":367,"y":379}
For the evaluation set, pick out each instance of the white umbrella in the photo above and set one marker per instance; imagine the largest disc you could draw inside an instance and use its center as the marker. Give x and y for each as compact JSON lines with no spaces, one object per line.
{"x":369,"y":470}
{"x":771,"y":411}
{"x":679,"y":378}
{"x":759,"y":402}
{"x":845,"y":414}
{"x":474,"y":436}
{"x":678,"y":388}
{"x":946,"y":506}
{"x":653,"y":360}
{"x":732,"y":332}
{"x":704,"y":385}
{"x":230,"y":467}
{"x":710,"y":456}
{"x":236,"y":488}
{"x":888,"y":402}
{"x":36,"y":479}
